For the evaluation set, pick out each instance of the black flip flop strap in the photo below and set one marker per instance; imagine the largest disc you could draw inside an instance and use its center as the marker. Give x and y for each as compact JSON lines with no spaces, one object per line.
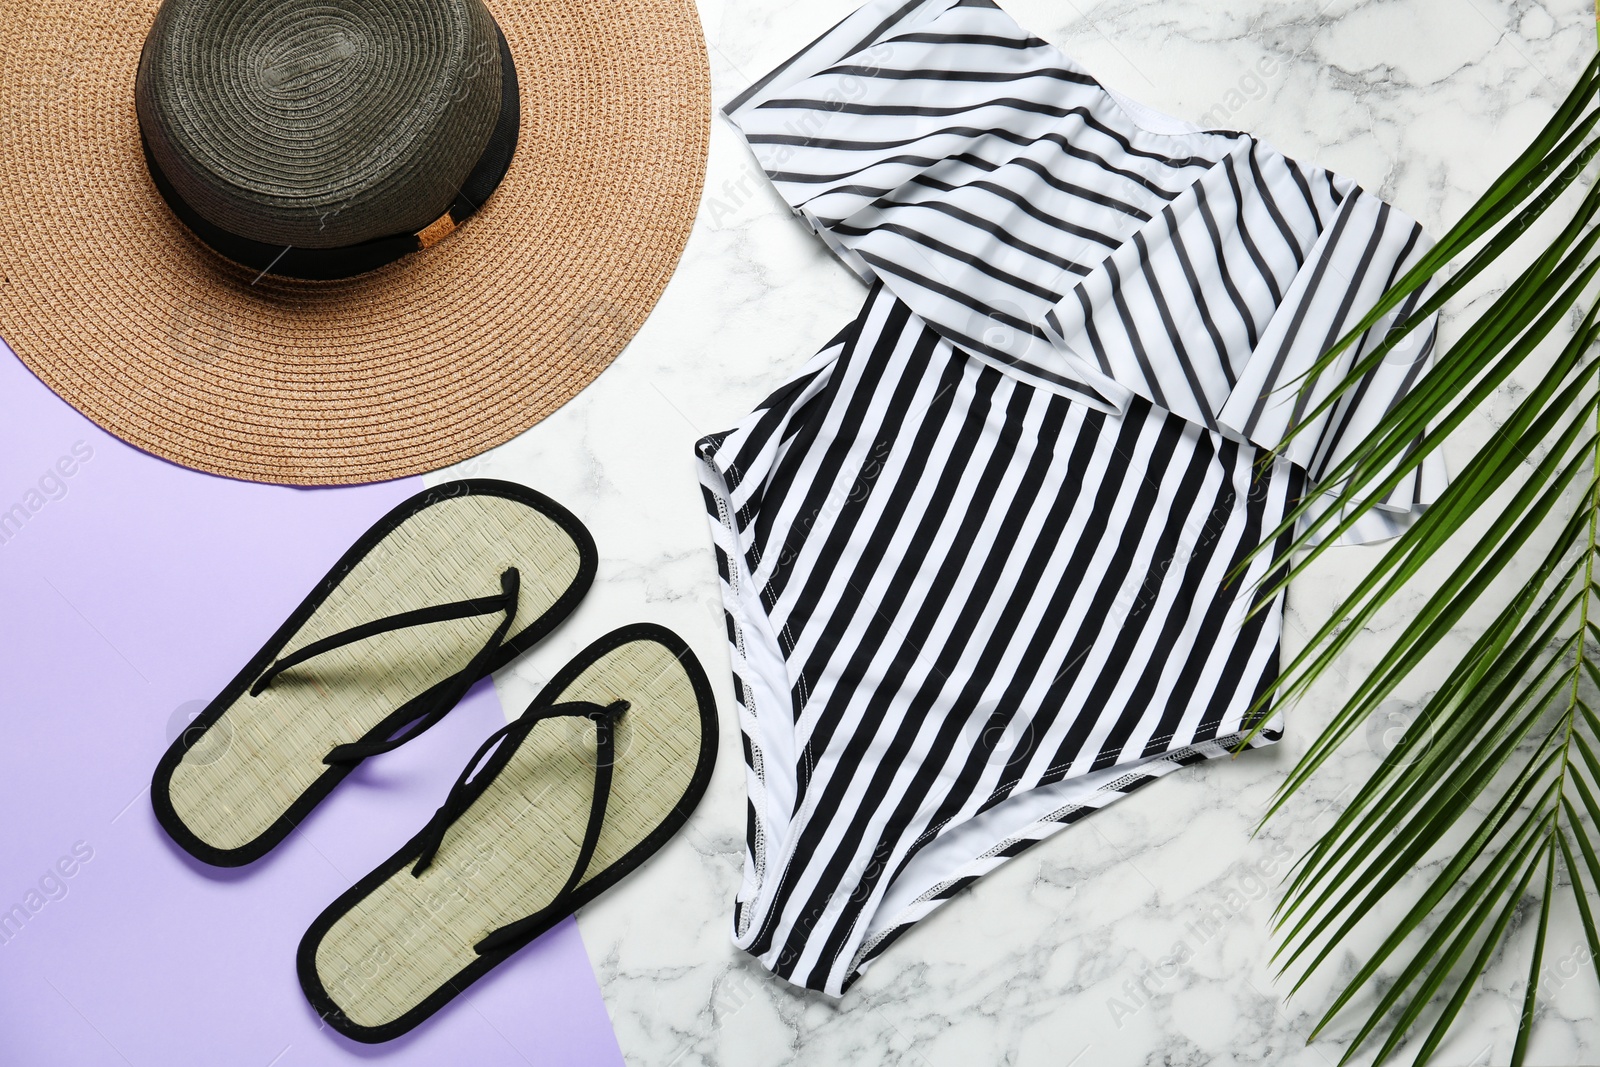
{"x":460,"y":609}
{"x":427,"y":708}
{"x":468,"y":788}
{"x":512,"y":934}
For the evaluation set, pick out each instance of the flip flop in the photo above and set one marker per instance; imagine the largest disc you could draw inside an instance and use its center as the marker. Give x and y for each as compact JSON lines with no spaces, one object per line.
{"x":450,"y":585}
{"x":593,"y":778}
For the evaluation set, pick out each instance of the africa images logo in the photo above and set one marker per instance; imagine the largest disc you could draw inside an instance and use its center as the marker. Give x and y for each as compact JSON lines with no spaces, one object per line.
{"x":50,"y":887}
{"x":51,"y":486}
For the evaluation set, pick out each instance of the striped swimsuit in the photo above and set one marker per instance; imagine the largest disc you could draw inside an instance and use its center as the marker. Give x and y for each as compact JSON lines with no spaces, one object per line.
{"x":974,"y":554}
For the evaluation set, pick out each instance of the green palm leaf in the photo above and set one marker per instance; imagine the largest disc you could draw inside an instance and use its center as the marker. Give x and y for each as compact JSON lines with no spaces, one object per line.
{"x":1498,"y":779}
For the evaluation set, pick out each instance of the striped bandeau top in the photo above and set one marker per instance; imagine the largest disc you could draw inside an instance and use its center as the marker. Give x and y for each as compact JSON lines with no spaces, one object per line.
{"x":1089,"y":244}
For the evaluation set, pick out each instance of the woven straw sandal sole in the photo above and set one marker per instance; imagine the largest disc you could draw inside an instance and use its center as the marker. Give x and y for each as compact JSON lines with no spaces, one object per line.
{"x":400,"y":945}
{"x":251,"y":765}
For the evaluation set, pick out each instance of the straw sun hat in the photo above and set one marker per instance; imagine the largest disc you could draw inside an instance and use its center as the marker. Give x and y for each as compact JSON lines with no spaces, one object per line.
{"x":331,"y":241}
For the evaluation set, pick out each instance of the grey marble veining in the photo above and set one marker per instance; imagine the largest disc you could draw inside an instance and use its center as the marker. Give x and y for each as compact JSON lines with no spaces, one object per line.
{"x":1142,"y":934}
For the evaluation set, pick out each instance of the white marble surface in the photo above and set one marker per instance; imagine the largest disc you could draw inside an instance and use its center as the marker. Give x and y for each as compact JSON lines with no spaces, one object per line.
{"x":1066,"y":955}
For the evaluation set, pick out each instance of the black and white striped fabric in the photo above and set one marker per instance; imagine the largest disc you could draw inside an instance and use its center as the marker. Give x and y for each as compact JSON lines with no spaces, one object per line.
{"x":974,"y":554}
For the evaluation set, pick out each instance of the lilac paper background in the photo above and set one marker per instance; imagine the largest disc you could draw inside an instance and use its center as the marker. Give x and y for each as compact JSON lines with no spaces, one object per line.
{"x":133,"y":593}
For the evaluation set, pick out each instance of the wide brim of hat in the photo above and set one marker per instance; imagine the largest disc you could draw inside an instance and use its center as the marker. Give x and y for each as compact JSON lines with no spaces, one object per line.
{"x":426,"y":362}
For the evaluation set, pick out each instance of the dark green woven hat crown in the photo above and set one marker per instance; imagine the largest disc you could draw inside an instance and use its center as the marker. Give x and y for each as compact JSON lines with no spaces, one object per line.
{"x":279,"y":126}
